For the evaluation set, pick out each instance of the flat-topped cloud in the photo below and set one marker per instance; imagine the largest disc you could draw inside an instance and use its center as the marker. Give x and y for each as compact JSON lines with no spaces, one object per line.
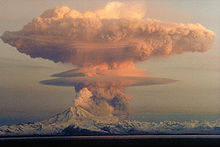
{"x":105,"y":45}
{"x":93,"y":38}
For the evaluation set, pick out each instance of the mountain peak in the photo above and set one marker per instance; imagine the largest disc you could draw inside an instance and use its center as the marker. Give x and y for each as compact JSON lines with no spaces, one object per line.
{"x":78,"y":121}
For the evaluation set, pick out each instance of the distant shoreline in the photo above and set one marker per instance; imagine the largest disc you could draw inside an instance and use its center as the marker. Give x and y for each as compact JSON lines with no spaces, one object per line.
{"x":115,"y":137}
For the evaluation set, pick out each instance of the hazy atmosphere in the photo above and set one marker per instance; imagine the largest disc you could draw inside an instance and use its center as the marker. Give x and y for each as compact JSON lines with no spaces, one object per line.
{"x":187,"y":73}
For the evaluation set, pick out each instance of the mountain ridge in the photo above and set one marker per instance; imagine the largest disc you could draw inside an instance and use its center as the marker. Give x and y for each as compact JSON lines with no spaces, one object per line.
{"x":77,"y":121}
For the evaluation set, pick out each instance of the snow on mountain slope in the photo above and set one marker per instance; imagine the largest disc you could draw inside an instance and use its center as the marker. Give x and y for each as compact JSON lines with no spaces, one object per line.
{"x":78,"y":122}
{"x":53,"y":126}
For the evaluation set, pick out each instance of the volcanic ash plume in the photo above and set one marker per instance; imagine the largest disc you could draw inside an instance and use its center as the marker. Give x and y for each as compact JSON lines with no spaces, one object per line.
{"x":107,"y":42}
{"x":94,"y":38}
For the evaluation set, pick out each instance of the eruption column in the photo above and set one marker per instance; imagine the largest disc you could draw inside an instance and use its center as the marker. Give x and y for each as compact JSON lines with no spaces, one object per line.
{"x":105,"y":45}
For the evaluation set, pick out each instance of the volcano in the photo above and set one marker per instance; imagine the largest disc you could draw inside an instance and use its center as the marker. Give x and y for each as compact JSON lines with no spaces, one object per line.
{"x":77,"y":121}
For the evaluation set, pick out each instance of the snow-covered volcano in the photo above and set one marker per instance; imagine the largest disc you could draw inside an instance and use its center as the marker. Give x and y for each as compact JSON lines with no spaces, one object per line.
{"x":87,"y":118}
{"x":78,"y":121}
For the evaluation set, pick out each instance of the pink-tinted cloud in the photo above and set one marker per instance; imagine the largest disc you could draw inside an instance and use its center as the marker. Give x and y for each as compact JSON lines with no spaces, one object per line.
{"x":112,"y":35}
{"x":105,"y":45}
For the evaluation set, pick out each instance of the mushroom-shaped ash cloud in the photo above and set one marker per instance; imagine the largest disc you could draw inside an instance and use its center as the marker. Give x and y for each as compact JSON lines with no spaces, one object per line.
{"x":105,"y":45}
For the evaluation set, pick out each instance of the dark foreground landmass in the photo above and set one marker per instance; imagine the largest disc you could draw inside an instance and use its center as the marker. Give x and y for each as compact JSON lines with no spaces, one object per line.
{"x":145,"y":140}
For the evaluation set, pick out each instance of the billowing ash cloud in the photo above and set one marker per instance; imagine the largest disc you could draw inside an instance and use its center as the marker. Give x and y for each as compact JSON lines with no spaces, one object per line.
{"x":111,"y":35}
{"x":103,"y":95}
{"x":107,"y":43}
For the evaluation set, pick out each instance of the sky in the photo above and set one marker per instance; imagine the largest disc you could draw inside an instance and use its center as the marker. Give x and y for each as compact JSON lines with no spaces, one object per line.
{"x":196,"y":91}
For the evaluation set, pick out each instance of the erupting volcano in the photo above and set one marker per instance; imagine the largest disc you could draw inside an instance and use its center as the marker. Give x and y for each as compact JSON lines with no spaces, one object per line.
{"x":105,"y":45}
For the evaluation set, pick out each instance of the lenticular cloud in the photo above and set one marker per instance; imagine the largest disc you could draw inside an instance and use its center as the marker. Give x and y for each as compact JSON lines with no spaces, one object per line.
{"x":105,"y":45}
